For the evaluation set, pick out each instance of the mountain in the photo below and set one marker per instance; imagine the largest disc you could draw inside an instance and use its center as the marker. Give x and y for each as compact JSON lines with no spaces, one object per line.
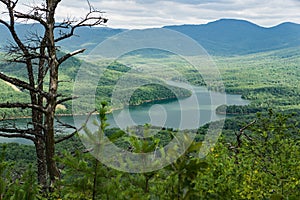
{"x":84,"y":37}
{"x":222,"y":37}
{"x":88,"y":38}
{"x":238,"y":37}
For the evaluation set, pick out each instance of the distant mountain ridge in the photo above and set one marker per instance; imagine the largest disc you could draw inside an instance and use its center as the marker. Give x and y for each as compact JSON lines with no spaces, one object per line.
{"x":238,"y":37}
{"x":224,"y":37}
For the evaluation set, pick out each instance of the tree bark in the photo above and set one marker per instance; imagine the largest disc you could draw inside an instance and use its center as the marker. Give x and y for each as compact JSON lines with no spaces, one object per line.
{"x":42,"y":55}
{"x":41,"y":163}
{"x":50,"y":148}
{"x":53,"y":86}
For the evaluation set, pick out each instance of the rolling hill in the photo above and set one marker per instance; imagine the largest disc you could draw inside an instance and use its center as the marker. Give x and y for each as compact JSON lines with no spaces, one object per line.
{"x":225,"y":37}
{"x":239,"y":37}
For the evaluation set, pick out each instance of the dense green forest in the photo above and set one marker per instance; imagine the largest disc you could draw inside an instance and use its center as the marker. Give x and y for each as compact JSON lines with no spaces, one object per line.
{"x":159,"y":90}
{"x":260,"y":161}
{"x":268,"y":79}
{"x":256,"y":157}
{"x":46,"y":72}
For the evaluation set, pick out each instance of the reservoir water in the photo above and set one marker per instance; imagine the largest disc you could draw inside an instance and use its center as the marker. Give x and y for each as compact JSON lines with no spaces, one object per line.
{"x":166,"y":113}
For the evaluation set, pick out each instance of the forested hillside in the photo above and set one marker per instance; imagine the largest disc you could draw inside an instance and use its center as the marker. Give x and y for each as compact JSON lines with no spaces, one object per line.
{"x":254,"y":155}
{"x":222,"y":37}
{"x":261,"y":160}
{"x":269,"y":80}
{"x":239,"y":37}
{"x":107,"y":81}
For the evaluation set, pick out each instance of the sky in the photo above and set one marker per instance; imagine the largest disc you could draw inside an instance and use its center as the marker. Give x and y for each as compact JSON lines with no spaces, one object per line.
{"x":139,"y":14}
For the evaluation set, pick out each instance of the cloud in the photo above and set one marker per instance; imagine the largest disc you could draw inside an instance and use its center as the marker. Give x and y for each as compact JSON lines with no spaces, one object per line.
{"x":195,"y":2}
{"x":153,"y":13}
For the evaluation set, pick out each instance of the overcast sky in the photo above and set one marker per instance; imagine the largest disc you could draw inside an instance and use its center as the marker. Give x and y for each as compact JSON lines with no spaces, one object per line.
{"x":151,"y":13}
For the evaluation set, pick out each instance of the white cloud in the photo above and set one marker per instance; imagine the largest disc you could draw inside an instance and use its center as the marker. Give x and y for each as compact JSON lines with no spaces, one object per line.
{"x":153,"y":13}
{"x":150,"y":13}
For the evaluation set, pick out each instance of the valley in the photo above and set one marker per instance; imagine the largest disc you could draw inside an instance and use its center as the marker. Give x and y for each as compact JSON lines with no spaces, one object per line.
{"x":263,"y":78}
{"x":148,"y":99}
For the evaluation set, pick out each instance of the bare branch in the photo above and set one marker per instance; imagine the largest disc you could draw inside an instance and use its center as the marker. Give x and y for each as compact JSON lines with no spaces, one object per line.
{"x":66,"y":137}
{"x":247,"y":126}
{"x":92,"y":18}
{"x":4,"y":23}
{"x":21,"y":84}
{"x":38,"y":53}
{"x":10,"y":5}
{"x":90,"y":6}
{"x":64,"y":124}
{"x":67,"y":56}
{"x":66,"y":99}
{"x":64,"y":81}
{"x":30,"y":16}
{"x":66,"y":24}
{"x":17,"y":133}
{"x":248,"y":137}
{"x":239,"y":138}
{"x":22,"y":105}
{"x":77,"y":130}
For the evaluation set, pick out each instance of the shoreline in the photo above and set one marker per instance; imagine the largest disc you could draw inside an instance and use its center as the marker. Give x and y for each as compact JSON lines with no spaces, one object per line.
{"x":226,"y":113}
{"x":58,"y":115}
{"x":110,"y":110}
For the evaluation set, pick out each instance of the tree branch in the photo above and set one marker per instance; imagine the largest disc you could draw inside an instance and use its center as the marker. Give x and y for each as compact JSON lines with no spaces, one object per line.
{"x":10,"y":5}
{"x":33,"y":17}
{"x":247,"y":126}
{"x":22,"y":105}
{"x":22,"y":84}
{"x":67,"y":56}
{"x":66,"y":137}
{"x":239,"y":138}
{"x":4,"y":23}
{"x":66,"y":99}
{"x":26,"y":52}
{"x":17,"y":133}
{"x":64,"y":124}
{"x":77,"y":130}
{"x":92,"y":18}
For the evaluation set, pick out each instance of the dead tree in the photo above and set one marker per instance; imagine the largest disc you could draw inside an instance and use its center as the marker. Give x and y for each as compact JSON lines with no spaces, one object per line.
{"x":42,"y":63}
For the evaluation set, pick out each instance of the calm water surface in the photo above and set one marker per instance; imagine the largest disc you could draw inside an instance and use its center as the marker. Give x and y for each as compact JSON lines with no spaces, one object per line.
{"x":186,"y":113}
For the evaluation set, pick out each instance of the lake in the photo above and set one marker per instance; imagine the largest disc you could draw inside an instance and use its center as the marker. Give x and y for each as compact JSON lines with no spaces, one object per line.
{"x":177,"y":114}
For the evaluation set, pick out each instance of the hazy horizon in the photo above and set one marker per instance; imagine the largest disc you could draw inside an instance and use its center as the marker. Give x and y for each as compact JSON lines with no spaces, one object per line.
{"x":140,"y":14}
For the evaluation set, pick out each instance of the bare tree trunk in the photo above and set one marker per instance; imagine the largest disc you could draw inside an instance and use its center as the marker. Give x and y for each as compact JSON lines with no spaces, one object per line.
{"x":50,"y":148}
{"x":41,"y":163}
{"x":52,"y":98}
{"x":42,"y":55}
